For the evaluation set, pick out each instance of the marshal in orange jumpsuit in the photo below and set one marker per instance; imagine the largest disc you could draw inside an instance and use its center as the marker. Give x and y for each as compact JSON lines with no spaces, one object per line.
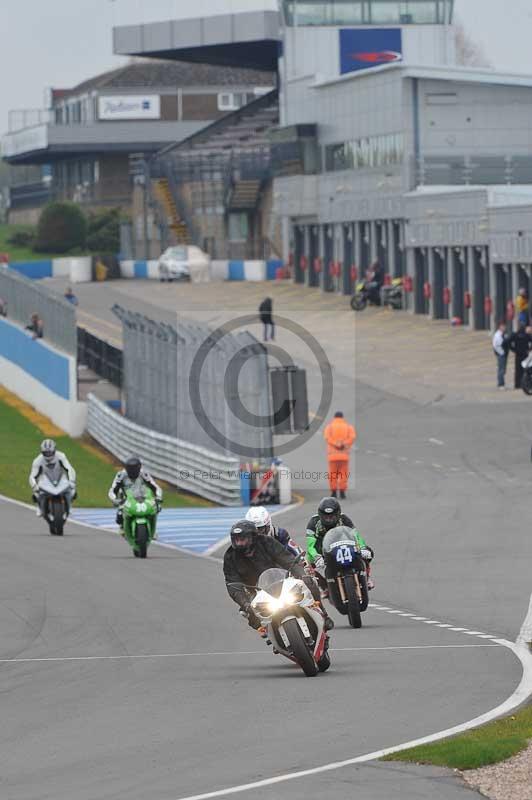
{"x":340,"y":437}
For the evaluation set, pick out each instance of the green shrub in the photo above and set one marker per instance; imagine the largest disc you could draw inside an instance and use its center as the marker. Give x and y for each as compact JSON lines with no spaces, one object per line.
{"x":103,"y":234}
{"x":62,"y":227}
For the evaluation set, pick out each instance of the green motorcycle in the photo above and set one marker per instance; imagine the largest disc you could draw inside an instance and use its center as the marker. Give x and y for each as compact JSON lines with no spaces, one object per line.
{"x":140,"y":520}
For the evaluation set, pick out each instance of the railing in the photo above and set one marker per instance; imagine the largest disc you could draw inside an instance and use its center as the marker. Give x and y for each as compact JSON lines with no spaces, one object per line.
{"x":21,"y":118}
{"x":25,"y":297}
{"x":30,"y":194}
{"x":195,"y":469}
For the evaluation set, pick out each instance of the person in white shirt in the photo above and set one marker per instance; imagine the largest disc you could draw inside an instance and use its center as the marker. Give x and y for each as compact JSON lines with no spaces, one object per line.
{"x":500,"y":348}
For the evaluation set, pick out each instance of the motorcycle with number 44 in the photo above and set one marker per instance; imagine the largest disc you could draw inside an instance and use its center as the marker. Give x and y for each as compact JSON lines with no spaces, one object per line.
{"x":140,"y":519}
{"x":294,"y":621}
{"x":345,"y":573}
{"x":55,"y":493}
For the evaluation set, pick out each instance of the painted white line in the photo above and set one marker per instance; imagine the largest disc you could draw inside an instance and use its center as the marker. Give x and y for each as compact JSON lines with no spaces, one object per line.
{"x":473,"y":633}
{"x":521,"y":694}
{"x":415,"y":647}
{"x":436,"y":441}
{"x":419,"y":619}
{"x":437,"y":466}
{"x":432,"y":622}
{"x":525,"y":634}
{"x":457,"y":629}
{"x":216,"y":654}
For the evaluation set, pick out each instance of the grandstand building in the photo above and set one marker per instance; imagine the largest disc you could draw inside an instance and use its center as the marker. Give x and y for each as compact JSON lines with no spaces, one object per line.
{"x":85,"y":138}
{"x":386,"y":150}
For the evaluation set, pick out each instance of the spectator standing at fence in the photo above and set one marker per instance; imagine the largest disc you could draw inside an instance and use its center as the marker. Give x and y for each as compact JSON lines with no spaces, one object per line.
{"x":71,"y":297}
{"x":36,"y":327}
{"x":520,"y":344}
{"x":500,"y":348}
{"x":521,"y":306}
{"x":266,"y":317}
{"x":340,"y":437}
{"x":3,"y":307}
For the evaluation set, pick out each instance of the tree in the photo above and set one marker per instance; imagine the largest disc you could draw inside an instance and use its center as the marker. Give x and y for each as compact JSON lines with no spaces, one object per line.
{"x":468,"y":52}
{"x":62,"y":227}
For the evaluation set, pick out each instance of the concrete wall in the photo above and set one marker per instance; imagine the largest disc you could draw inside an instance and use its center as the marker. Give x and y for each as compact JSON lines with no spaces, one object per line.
{"x":42,"y":376}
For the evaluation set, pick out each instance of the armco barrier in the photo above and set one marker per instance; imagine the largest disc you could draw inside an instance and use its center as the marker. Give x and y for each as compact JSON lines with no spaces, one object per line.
{"x":77,"y":270}
{"x":42,"y":376}
{"x":195,"y":469}
{"x":219,"y":270}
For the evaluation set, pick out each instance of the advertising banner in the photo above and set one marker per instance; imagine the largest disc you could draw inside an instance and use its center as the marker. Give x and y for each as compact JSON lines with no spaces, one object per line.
{"x":372,"y":47}
{"x":129,"y":107}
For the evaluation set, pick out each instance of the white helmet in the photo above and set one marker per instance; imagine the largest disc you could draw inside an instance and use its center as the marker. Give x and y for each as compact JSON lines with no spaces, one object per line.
{"x":260,"y":516}
{"x":48,"y":449}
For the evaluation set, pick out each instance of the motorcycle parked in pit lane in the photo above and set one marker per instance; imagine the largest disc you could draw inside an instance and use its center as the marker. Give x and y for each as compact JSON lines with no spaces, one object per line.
{"x":391,"y":295}
{"x":294,"y":622}
{"x":57,"y":492}
{"x":140,"y":516}
{"x":345,"y":572}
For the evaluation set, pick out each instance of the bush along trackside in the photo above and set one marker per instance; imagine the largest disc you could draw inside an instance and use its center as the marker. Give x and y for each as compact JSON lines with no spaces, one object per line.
{"x":490,"y":744}
{"x":21,"y":438}
{"x":62,"y":228}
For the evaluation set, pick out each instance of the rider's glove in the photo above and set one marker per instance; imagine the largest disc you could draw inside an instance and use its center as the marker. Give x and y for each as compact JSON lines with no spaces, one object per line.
{"x":319,"y":565}
{"x":246,"y":608}
{"x":159,"y":505}
{"x":366,"y":554}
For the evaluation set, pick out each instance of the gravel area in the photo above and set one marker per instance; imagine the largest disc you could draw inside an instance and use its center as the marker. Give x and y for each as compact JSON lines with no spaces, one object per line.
{"x":511,"y":780}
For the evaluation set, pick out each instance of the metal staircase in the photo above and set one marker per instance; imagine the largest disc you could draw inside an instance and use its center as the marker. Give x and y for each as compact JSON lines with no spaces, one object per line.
{"x":176,"y":224}
{"x":243,"y":195}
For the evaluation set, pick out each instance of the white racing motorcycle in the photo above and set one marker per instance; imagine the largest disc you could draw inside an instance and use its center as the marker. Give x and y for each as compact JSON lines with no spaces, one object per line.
{"x":294,"y":622}
{"x":57,"y":491}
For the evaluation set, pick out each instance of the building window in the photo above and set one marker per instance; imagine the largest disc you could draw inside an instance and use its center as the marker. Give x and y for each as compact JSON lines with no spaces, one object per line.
{"x":232,"y":101}
{"x":367,"y":12}
{"x":367,"y":152}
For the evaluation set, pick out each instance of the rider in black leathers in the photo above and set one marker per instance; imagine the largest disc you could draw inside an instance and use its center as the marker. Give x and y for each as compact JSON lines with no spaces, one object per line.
{"x":251,"y":554}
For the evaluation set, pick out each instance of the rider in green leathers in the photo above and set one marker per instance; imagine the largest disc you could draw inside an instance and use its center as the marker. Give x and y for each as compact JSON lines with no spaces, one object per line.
{"x":330,"y":516}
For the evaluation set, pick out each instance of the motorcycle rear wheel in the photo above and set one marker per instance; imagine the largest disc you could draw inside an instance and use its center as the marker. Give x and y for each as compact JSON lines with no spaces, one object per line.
{"x":141,"y":538}
{"x":353,"y":604}
{"x":526,"y":384}
{"x":358,"y":302}
{"x":300,"y":649}
{"x":324,"y":663}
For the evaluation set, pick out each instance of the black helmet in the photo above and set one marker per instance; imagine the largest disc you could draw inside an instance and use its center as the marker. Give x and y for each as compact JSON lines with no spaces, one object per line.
{"x":329,"y":512}
{"x":133,"y":467}
{"x":243,"y":535}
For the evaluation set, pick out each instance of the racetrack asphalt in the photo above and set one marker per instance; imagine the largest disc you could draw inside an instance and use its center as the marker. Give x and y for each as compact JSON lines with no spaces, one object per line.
{"x":439,"y":492}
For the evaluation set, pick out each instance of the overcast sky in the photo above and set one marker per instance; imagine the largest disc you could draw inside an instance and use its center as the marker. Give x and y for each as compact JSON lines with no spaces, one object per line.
{"x":61,"y":42}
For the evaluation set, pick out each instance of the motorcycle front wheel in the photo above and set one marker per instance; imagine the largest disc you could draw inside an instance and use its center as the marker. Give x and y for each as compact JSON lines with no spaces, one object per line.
{"x":300,"y":649}
{"x":58,"y":523}
{"x":141,"y":539}
{"x":358,"y":302}
{"x":353,"y":604}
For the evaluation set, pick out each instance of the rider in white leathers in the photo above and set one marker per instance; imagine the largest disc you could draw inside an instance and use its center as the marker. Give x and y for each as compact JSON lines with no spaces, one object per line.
{"x":48,"y":457}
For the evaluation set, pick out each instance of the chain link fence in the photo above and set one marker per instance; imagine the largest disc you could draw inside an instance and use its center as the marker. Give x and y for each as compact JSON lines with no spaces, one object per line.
{"x":209,"y":388}
{"x":25,"y":297}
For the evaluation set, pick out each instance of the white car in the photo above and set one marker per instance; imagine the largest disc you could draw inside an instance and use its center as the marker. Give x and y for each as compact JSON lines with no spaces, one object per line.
{"x":184,"y":263}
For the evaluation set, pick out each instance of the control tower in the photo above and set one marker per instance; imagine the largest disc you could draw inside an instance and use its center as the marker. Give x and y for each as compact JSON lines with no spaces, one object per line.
{"x":330,"y":39}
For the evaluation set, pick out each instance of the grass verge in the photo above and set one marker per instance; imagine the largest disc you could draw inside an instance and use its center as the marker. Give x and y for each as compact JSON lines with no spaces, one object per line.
{"x":20,"y":440}
{"x":18,"y":252}
{"x":490,"y":744}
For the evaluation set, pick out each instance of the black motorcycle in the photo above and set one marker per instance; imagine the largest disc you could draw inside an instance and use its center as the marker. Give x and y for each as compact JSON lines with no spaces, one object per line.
{"x":345,"y":572}
{"x":367,"y":292}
